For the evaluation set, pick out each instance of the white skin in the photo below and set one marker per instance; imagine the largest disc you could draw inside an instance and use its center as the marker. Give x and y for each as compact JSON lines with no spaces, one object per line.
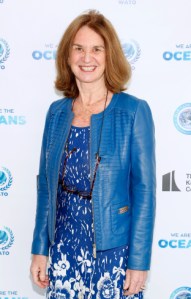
{"x":87,"y":60}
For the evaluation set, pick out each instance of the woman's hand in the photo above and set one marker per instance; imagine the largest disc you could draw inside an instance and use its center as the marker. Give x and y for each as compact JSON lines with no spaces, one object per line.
{"x":134,"y":282}
{"x":38,"y":270}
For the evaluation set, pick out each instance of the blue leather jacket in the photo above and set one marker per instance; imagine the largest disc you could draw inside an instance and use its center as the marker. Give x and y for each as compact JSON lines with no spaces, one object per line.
{"x":124,"y":190}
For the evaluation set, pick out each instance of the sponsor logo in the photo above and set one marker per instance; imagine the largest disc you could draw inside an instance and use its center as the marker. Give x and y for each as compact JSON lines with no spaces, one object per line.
{"x":127,"y":2}
{"x":49,"y":53}
{"x":6,"y":180}
{"x":182,"y":118}
{"x":169,"y":183}
{"x":181,"y":293}
{"x":132,"y":52}
{"x":8,"y":117}
{"x":4,"y":52}
{"x":6,"y":240}
{"x":188,"y":182}
{"x":11,"y":295}
{"x":176,"y":241}
{"x":182,"y":52}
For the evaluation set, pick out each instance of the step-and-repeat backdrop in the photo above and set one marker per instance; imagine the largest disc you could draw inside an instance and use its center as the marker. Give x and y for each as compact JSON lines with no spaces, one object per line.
{"x":156,"y":39}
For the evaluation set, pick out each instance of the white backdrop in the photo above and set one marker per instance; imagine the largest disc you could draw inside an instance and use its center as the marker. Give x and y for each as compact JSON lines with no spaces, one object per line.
{"x":156,"y":40}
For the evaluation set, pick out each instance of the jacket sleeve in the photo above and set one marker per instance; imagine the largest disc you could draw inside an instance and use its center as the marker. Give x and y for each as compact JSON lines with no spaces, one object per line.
{"x":142,"y":188}
{"x":40,"y":244}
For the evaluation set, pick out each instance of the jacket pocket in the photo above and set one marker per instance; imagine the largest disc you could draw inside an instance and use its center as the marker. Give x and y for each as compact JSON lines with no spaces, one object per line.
{"x":120,"y":218}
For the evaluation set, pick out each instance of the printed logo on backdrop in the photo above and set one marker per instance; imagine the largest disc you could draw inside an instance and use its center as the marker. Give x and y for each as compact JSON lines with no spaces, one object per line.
{"x":132,"y":52}
{"x":181,"y":293}
{"x":47,"y":53}
{"x":182,"y":118}
{"x":11,"y":295}
{"x":4,"y":52}
{"x":8,"y":117}
{"x":170,"y":184}
{"x":181,"y":52}
{"x":6,"y":181}
{"x":6,"y":240}
{"x":176,"y":241}
{"x":127,"y":2}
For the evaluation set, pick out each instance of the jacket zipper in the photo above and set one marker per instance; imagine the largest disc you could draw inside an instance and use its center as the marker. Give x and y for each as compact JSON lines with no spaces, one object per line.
{"x":94,"y":238}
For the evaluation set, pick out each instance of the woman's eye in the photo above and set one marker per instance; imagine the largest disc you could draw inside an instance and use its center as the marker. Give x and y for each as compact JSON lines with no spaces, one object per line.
{"x":97,"y":49}
{"x":79,"y":49}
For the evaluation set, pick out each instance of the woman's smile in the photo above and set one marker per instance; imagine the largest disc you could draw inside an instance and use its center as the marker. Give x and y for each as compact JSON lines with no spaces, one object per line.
{"x":87,"y":68}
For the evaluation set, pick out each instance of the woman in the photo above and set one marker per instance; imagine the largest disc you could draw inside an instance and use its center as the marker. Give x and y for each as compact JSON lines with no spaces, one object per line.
{"x":96,"y":182}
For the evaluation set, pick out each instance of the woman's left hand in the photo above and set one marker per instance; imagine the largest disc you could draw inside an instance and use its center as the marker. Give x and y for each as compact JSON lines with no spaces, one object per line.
{"x":134,"y":282}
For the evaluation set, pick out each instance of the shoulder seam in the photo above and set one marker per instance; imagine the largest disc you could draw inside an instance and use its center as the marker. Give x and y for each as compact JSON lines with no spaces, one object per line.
{"x":57,"y":105}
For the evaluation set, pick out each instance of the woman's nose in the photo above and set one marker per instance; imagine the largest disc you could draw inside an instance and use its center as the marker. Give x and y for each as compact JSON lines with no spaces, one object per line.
{"x":87,"y":56}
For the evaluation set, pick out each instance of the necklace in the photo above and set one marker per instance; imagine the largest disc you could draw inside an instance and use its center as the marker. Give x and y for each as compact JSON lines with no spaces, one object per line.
{"x":87,"y":110}
{"x":97,"y":154}
{"x":98,"y":158}
{"x":84,"y":112}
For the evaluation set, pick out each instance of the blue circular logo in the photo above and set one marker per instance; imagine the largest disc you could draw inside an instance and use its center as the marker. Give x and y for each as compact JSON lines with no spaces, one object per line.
{"x":132,"y":51}
{"x":4,"y":51}
{"x":3,"y":237}
{"x":182,"y":118}
{"x":181,"y":293}
{"x":3,"y":178}
{"x":6,"y":179}
{"x":6,"y":238}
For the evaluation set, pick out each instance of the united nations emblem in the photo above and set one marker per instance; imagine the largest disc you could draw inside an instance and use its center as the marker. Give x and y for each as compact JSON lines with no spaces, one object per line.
{"x":6,"y":179}
{"x":181,"y":293}
{"x":6,"y":238}
{"x":132,"y":51}
{"x":4,"y":52}
{"x":182,"y":118}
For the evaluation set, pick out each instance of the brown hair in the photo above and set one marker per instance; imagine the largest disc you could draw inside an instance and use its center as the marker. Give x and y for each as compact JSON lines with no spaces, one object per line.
{"x":117,"y":71}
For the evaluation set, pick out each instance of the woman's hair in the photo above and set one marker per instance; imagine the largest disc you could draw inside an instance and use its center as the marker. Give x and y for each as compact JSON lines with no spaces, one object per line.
{"x":117,"y":70}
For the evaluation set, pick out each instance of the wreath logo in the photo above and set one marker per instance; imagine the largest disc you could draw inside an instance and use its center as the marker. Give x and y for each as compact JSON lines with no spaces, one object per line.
{"x":6,"y":179}
{"x":6,"y":238}
{"x":4,"y":51}
{"x":182,"y":118}
{"x":181,"y":293}
{"x":132,"y":51}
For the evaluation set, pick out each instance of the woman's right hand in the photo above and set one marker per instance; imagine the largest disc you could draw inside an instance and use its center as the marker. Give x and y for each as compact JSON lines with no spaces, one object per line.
{"x":38,"y":270}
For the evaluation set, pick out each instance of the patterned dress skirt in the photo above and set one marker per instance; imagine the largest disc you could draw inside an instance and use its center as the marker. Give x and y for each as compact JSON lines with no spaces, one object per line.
{"x":74,"y":273}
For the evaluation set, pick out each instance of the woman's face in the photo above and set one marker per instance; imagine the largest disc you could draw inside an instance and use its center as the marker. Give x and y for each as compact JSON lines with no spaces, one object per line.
{"x":87,"y":56}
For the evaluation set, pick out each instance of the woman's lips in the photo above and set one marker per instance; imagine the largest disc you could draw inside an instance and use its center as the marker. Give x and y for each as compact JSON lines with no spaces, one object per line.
{"x":88,"y":68}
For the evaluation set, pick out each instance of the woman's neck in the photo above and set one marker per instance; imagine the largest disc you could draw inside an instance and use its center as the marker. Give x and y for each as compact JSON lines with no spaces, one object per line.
{"x":89,"y":93}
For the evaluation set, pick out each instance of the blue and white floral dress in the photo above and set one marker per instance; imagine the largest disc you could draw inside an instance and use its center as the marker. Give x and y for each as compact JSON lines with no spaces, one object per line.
{"x":73,"y":272}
